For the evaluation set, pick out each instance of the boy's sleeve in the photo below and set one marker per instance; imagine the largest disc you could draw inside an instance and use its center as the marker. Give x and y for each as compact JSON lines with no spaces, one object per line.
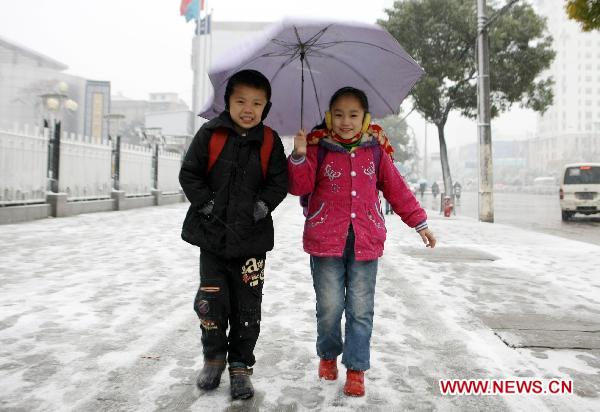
{"x":302,"y":172}
{"x":192,"y":175}
{"x":397,"y":192}
{"x":276,"y":181}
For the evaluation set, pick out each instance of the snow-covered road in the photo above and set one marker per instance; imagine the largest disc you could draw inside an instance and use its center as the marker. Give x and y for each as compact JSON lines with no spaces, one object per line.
{"x":96,"y":314}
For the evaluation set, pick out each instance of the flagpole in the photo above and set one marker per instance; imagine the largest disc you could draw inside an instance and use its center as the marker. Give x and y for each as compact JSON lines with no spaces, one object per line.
{"x":205,"y":55}
{"x":195,"y":121}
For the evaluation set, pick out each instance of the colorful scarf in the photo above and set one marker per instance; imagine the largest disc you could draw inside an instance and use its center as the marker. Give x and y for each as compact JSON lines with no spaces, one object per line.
{"x":374,"y":130}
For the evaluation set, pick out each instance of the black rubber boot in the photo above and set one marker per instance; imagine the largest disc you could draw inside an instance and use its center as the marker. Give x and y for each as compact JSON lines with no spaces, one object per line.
{"x":241,"y":385}
{"x":210,"y":376}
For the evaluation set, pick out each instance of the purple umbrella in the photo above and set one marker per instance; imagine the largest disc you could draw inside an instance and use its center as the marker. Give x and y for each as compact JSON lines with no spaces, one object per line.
{"x":307,"y":61}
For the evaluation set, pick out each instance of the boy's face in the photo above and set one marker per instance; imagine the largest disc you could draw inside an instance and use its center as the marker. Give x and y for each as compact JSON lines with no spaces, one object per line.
{"x":347,"y":116}
{"x":246,"y":105}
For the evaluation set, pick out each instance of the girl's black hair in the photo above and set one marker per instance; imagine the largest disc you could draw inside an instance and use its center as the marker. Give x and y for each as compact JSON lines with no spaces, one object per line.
{"x":346,"y":91}
{"x":351,"y":91}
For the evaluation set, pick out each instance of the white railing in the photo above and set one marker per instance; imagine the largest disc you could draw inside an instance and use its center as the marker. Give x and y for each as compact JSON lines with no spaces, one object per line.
{"x":135,"y":174}
{"x":169,"y":164}
{"x":23,"y":165}
{"x":85,"y":168}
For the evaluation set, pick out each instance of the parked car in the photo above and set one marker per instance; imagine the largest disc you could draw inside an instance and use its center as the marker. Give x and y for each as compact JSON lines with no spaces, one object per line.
{"x":580,"y":189}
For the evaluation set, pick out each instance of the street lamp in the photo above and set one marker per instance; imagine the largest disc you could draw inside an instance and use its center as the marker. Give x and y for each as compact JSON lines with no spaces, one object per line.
{"x":54,"y":104}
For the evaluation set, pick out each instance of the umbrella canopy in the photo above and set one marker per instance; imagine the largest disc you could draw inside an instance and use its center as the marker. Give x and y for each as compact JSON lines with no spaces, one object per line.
{"x":307,"y":61}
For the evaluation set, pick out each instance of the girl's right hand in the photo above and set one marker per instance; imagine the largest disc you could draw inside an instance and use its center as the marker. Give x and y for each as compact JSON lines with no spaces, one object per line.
{"x":300,"y":143}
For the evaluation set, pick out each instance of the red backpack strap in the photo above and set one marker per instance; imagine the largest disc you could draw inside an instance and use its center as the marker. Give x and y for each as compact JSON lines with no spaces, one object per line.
{"x":215,"y":146}
{"x":266,"y":149}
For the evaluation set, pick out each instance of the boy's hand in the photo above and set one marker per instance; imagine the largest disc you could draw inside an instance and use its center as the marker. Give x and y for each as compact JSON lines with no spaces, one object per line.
{"x":260,"y":211}
{"x":300,"y":144}
{"x":428,"y":238}
{"x":207,"y":208}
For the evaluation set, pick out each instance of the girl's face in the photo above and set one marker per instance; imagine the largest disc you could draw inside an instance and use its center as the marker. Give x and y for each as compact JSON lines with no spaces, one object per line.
{"x":347,"y":116}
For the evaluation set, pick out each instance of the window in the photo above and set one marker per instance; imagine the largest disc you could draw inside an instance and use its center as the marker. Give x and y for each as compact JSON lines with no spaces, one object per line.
{"x":582,"y":175}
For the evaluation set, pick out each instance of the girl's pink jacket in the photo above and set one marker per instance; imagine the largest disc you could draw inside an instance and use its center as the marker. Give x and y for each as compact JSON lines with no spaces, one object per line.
{"x":346,"y":191}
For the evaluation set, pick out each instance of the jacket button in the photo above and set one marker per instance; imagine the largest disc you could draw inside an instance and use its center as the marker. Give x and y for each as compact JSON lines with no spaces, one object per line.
{"x":353,"y":193}
{"x":353,"y":173}
{"x":352,"y":215}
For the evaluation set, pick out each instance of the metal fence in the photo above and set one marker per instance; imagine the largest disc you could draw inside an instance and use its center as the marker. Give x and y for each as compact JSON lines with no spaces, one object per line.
{"x":23,"y":165}
{"x":84,"y":168}
{"x":87,"y":169}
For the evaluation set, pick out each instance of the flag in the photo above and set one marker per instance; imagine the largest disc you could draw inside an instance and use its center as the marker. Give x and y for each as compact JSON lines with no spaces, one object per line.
{"x":183,"y":7}
{"x":191,"y":8}
{"x":203,"y":26}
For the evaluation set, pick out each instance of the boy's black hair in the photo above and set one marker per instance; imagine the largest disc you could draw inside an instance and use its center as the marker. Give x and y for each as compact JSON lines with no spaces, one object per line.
{"x":247,"y":77}
{"x":346,"y":91}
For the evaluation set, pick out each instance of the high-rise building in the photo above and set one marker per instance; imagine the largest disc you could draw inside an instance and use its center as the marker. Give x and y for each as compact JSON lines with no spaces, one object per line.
{"x":570,"y":129}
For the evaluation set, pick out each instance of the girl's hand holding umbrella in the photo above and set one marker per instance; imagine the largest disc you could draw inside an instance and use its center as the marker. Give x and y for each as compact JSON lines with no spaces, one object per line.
{"x":300,"y":144}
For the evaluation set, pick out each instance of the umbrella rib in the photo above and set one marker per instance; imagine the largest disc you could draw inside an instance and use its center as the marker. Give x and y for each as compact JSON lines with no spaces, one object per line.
{"x":312,"y":78}
{"x":283,"y":65}
{"x":359,"y":74}
{"x":315,"y":38}
{"x":329,"y":44}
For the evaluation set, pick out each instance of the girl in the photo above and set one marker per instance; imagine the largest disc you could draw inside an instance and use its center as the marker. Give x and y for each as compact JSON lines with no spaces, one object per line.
{"x":345,"y":230}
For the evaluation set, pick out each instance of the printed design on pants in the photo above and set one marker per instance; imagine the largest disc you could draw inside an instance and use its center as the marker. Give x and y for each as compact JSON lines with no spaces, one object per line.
{"x":206,"y":306}
{"x":208,"y":324}
{"x":369,"y":171}
{"x":202,"y":307}
{"x":253,"y":272}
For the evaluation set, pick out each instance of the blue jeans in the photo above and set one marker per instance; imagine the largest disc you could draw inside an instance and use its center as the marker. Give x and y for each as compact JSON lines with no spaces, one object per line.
{"x":342,"y":283}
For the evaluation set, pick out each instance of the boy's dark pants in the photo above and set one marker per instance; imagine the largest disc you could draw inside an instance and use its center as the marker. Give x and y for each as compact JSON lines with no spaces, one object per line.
{"x":230,"y":293}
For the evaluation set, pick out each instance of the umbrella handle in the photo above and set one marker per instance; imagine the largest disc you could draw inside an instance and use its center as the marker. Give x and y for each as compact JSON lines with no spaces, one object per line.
{"x":302,"y":53}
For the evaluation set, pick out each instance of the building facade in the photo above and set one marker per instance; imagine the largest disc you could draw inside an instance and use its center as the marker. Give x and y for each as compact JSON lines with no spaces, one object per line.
{"x":26,"y":76}
{"x":569,"y":131}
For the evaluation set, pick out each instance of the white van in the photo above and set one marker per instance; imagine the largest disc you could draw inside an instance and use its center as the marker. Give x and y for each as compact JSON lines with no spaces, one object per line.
{"x":580,"y":189}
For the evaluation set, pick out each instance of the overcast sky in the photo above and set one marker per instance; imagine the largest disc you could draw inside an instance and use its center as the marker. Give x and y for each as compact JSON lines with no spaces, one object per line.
{"x":144,"y":46}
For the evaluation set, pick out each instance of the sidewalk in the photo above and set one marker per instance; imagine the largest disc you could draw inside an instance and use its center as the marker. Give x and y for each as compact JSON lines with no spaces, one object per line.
{"x":96,"y":315}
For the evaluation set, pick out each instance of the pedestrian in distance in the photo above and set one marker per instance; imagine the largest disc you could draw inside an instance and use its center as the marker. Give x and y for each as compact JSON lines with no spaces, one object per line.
{"x":234,"y":175}
{"x":435,"y":190}
{"x":457,"y":191}
{"x":422,"y":187}
{"x":344,"y":231}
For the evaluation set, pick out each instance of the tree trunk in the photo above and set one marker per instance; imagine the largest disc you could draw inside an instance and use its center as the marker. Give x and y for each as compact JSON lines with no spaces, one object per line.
{"x":444,"y":160}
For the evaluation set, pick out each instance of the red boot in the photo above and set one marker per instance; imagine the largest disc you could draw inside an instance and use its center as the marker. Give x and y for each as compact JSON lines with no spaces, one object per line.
{"x":355,"y":383}
{"x":328,"y":369}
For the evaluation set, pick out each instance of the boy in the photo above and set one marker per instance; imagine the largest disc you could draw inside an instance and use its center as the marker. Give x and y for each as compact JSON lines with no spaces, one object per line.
{"x":232,"y":197}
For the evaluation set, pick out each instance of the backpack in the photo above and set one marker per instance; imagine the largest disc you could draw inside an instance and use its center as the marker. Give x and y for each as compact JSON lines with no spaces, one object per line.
{"x":219,"y":137}
{"x":321,"y":152}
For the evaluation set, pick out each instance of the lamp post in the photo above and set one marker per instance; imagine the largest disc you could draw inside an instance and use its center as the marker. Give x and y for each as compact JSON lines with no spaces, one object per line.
{"x":113,"y":121}
{"x":53,"y":105}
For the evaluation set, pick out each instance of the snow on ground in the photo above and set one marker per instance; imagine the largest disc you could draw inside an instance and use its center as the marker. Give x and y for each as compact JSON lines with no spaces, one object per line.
{"x":96,"y":314}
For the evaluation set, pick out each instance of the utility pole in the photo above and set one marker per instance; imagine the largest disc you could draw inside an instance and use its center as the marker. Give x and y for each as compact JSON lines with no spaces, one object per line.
{"x":486,"y":179}
{"x":425,"y":156}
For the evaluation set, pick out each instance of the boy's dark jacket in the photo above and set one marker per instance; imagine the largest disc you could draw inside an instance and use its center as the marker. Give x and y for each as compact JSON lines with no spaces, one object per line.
{"x":235,"y":183}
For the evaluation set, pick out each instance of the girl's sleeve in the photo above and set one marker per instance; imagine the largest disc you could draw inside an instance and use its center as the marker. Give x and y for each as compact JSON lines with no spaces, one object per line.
{"x":399,"y":195}
{"x":301,"y":172}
